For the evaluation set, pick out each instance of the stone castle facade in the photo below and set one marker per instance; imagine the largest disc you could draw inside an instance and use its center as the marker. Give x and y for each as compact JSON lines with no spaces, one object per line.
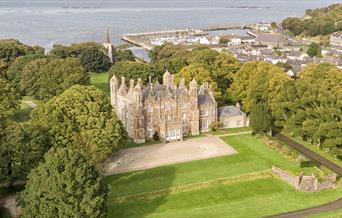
{"x":168,"y":110}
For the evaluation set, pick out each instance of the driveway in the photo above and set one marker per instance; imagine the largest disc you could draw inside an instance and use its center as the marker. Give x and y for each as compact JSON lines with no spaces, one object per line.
{"x":151,"y":156}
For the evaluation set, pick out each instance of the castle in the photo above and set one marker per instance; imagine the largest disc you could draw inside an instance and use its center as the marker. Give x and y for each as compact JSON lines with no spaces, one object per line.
{"x":164,"y":110}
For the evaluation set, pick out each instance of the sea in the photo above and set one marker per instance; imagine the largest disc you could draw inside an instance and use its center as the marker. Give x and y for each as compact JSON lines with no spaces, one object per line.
{"x":49,"y":22}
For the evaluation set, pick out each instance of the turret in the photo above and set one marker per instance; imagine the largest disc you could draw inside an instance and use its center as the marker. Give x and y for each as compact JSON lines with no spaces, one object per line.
{"x":138,"y":93}
{"x":108,"y":45}
{"x":167,"y":79}
{"x":122,"y":89}
{"x":113,"y":90}
{"x":193,"y":92}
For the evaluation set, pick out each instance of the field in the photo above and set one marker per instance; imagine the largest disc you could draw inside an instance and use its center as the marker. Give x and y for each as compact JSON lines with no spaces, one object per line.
{"x":240,"y":185}
{"x":100,"y":80}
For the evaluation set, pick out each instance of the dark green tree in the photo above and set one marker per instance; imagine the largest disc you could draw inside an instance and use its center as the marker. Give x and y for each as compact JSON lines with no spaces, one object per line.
{"x":21,"y":149}
{"x":122,"y":55}
{"x":314,"y":50}
{"x":10,"y":49}
{"x":14,"y":72}
{"x":50,"y":76}
{"x":64,"y":185}
{"x":94,"y":60}
{"x":261,"y":118}
{"x":82,"y":118}
{"x":9,"y":99}
{"x":134,"y":70}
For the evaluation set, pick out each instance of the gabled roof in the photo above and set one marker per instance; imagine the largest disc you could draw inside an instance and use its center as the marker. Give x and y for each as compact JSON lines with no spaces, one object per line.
{"x":227,"y":111}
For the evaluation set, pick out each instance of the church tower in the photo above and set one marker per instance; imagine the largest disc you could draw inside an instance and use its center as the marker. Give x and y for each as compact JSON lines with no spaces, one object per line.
{"x":108,"y":45}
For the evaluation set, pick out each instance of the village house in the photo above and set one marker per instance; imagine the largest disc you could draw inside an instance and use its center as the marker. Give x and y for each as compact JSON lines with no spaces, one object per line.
{"x":271,"y":40}
{"x":336,"y":39}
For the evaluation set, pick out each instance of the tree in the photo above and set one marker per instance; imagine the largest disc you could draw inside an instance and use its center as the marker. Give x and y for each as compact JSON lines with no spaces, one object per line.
{"x":314,"y":50}
{"x":92,"y":55}
{"x":200,"y":74}
{"x":49,"y":76}
{"x":261,"y":119}
{"x":94,"y":60}
{"x":173,"y":65}
{"x":9,"y":99}
{"x":312,"y":107}
{"x":10,"y":49}
{"x":14,"y":72}
{"x":122,"y":55}
{"x":21,"y":149}
{"x":134,"y":70}
{"x":294,"y":25}
{"x":257,"y":82}
{"x":64,"y":185}
{"x":82,"y":118}
{"x":167,"y":50}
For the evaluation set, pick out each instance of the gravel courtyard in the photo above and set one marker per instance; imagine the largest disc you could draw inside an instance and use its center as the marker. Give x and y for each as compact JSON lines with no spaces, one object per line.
{"x":151,"y":156}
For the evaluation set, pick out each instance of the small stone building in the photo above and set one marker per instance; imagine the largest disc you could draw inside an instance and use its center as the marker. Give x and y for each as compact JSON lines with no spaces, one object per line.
{"x":232,"y":117}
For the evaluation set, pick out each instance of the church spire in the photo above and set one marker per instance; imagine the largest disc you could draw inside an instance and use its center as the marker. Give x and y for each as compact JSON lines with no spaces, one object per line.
{"x":107,"y":37}
{"x":108,"y":45}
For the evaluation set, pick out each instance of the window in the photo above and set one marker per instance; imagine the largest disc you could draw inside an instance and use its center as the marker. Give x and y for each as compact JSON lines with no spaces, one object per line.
{"x":204,"y":124}
{"x":238,"y":122}
{"x":150,"y":109}
{"x":168,"y":107}
{"x":204,"y":112}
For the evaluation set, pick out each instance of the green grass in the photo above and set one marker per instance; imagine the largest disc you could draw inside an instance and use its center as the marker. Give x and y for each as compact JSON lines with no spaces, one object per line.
{"x":232,"y":130}
{"x":217,"y":201}
{"x":100,"y":80}
{"x":253,"y":156}
{"x":132,"y":144}
{"x":257,"y":198}
{"x":23,"y":114}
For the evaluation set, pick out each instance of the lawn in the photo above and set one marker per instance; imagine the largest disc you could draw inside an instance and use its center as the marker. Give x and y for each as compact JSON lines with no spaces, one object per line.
{"x":232,"y":130}
{"x":253,"y":157}
{"x":100,"y":81}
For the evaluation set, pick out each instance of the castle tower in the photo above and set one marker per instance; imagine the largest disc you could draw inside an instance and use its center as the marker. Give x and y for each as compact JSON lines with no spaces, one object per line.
{"x":113,"y":91}
{"x":167,"y":79}
{"x":194,"y":112}
{"x":139,"y":120}
{"x":108,"y":45}
{"x":193,"y":92}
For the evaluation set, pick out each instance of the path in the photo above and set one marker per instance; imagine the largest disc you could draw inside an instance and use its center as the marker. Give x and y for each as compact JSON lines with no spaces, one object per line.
{"x":321,"y":160}
{"x":309,"y":153}
{"x":30,"y":103}
{"x":10,"y":203}
{"x":151,"y":156}
{"x":311,"y":211}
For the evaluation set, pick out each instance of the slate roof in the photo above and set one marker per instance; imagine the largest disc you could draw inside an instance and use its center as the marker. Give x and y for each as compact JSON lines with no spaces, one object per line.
{"x":227,"y":111}
{"x":270,"y":37}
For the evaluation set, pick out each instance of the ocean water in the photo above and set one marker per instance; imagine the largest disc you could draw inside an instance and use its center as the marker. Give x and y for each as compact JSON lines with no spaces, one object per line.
{"x":47,"y":22}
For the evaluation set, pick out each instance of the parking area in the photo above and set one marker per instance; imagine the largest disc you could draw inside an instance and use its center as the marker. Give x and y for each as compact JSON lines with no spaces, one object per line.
{"x":151,"y":156}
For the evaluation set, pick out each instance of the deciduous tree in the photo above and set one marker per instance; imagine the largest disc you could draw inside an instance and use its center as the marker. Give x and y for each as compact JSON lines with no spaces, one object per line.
{"x":64,"y":185}
{"x":82,"y":118}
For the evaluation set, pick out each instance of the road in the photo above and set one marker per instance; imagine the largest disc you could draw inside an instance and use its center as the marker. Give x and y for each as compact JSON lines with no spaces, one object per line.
{"x":310,"y":154}
{"x":320,"y":160}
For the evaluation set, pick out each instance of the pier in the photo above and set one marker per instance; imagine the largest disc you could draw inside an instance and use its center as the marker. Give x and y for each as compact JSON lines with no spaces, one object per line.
{"x":228,"y":27}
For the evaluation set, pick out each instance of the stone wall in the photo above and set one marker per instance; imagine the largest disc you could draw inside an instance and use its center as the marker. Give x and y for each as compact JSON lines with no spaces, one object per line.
{"x":287,"y":177}
{"x":306,"y":183}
